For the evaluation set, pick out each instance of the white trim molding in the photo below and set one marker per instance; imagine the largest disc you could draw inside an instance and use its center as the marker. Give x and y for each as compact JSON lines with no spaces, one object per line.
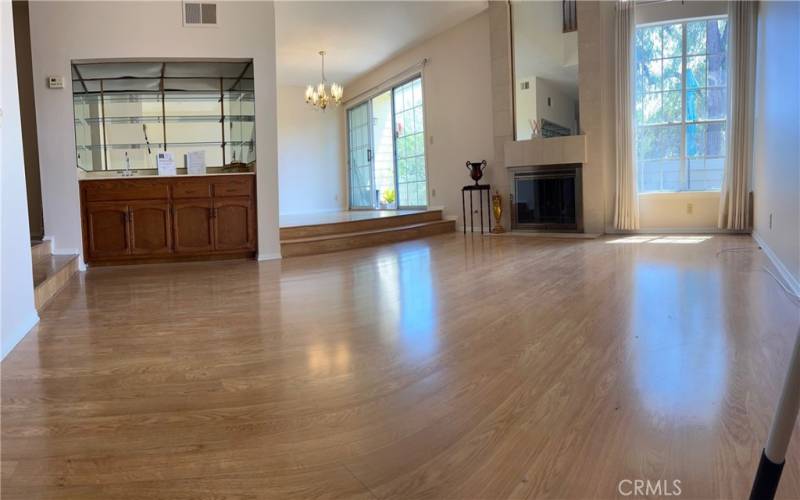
{"x":789,"y":280}
{"x":269,"y":256}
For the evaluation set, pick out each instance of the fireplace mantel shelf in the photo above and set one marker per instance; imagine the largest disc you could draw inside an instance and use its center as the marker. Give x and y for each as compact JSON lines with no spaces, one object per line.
{"x":550,"y":151}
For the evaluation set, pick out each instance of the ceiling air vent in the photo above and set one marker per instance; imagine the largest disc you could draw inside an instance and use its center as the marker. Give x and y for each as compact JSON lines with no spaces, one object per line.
{"x":199,"y":14}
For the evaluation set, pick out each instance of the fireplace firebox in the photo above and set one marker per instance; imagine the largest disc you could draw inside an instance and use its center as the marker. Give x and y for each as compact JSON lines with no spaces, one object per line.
{"x":546,"y":198}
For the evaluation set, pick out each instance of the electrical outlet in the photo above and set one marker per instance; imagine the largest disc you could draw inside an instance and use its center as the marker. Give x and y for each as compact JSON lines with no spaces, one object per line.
{"x":433,"y":193}
{"x":770,"y":221}
{"x":689,"y":208}
{"x":431,"y":140}
{"x":336,"y":197}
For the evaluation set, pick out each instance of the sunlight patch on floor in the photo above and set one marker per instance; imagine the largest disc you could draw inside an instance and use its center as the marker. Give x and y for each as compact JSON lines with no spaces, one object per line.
{"x":680,"y":240}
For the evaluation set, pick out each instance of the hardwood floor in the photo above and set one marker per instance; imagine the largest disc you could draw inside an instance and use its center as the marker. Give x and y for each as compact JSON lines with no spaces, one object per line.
{"x":448,"y":367}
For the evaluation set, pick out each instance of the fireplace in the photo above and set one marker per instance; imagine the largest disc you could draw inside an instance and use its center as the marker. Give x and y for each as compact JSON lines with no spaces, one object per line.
{"x":546,"y":198}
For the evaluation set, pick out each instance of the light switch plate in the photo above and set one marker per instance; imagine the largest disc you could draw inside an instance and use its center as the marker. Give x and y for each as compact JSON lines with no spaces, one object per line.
{"x":55,"y":82}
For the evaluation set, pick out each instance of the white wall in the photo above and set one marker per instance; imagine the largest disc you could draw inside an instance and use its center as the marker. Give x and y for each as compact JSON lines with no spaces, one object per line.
{"x":776,"y":166}
{"x":561,"y":108}
{"x":310,"y":168}
{"x":17,"y":313}
{"x":63,"y":31}
{"x":457,"y":93}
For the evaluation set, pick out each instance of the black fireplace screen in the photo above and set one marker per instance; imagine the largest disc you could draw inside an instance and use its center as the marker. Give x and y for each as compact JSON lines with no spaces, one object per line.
{"x":547,"y":199}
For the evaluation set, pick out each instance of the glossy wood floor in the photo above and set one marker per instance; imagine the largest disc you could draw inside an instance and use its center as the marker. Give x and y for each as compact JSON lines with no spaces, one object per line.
{"x":448,"y":367}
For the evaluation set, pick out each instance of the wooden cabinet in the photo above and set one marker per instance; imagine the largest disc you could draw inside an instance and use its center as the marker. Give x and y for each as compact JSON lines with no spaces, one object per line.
{"x":150,"y":227}
{"x":106,"y":230}
{"x":193,"y":229}
{"x":134,"y":220}
{"x":234,"y":223}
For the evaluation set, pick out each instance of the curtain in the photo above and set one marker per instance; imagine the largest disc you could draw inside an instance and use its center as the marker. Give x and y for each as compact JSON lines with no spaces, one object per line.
{"x":626,"y":204}
{"x":734,"y":206}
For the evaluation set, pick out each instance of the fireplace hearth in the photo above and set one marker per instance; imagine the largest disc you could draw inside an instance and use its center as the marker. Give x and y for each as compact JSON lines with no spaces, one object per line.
{"x":546,"y":198}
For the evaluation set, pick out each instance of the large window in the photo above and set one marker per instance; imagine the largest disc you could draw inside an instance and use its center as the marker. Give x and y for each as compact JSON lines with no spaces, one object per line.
{"x":681,"y":87}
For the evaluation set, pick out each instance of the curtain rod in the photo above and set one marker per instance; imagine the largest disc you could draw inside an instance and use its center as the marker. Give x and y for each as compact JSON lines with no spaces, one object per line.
{"x":418,"y":64}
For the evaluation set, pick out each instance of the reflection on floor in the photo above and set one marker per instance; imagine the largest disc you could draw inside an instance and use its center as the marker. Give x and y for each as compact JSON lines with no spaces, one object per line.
{"x":447,"y":367}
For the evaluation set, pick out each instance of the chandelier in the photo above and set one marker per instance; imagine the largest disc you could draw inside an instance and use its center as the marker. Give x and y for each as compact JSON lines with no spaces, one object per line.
{"x":319,"y":96}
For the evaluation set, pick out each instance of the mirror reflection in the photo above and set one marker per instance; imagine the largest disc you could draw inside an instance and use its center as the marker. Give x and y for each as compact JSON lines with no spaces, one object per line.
{"x":126,"y":112}
{"x":545,"y":47}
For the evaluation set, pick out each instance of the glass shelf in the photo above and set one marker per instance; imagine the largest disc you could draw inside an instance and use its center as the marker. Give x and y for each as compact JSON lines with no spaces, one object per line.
{"x":192,"y":113}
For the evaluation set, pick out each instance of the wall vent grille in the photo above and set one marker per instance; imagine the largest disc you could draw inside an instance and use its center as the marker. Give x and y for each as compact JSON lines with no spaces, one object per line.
{"x":199,"y":14}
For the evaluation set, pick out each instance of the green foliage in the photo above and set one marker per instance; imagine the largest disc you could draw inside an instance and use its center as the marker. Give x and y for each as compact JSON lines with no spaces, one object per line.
{"x":388,"y":196}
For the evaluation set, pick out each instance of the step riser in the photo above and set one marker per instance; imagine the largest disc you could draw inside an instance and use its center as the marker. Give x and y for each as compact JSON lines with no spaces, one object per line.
{"x":290,"y":233}
{"x":53,"y":284}
{"x":365,"y":240}
{"x":41,"y":251}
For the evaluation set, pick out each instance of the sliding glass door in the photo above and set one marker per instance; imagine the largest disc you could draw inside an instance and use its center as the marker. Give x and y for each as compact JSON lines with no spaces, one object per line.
{"x":387,"y":150}
{"x":360,"y":156}
{"x":410,"y":145}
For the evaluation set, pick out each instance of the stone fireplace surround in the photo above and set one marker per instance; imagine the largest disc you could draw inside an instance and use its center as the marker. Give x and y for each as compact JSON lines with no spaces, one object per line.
{"x":536,"y":154}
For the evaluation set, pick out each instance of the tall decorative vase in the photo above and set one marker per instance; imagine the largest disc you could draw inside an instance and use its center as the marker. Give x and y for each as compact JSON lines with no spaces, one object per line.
{"x":497,"y":210}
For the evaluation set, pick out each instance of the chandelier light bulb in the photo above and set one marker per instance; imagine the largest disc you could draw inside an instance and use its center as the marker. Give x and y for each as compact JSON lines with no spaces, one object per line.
{"x":319,"y":96}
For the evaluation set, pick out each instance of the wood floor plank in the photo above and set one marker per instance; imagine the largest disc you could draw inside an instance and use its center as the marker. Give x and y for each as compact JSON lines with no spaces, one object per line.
{"x":449,"y":367}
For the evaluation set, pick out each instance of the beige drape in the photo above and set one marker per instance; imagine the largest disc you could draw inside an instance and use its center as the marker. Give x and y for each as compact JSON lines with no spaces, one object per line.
{"x":734,"y":206}
{"x":626,"y":204}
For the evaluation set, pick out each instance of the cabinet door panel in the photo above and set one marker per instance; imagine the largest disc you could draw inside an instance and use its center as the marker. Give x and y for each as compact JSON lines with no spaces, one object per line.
{"x":192,"y":221}
{"x":107,"y":229}
{"x":234,"y":223}
{"x":150,"y":229}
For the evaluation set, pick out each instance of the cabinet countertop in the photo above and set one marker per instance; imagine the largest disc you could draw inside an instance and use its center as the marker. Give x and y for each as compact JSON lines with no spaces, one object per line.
{"x":90,"y":177}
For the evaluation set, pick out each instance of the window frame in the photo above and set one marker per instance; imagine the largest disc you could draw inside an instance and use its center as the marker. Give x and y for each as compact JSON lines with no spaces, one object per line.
{"x":684,"y":123}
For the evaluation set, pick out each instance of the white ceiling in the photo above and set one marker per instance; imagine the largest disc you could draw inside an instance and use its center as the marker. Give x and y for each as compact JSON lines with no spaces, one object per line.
{"x":357,"y":35}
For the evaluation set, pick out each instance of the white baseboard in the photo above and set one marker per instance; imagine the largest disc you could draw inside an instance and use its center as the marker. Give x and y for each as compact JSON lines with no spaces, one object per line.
{"x":269,"y":256}
{"x":788,"y":279}
{"x":11,"y":339}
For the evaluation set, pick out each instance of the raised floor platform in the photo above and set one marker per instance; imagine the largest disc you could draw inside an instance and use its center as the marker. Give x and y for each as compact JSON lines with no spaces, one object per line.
{"x":309,"y":234}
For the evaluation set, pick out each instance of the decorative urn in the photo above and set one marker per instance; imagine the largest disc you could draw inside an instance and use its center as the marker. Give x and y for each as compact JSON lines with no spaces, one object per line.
{"x":476,"y":170}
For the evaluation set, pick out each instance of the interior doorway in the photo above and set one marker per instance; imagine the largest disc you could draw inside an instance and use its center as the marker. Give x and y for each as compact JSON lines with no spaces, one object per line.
{"x":386,"y":150}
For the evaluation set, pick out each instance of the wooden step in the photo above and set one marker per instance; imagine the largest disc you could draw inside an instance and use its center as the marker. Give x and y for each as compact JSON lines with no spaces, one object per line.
{"x":355,"y":226}
{"x":50,"y":274}
{"x":40,"y":249}
{"x":346,"y":241}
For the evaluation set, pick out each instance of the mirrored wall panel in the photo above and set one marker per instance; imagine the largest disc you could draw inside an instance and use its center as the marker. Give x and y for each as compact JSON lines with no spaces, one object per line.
{"x":545,"y":45}
{"x":127,"y":112}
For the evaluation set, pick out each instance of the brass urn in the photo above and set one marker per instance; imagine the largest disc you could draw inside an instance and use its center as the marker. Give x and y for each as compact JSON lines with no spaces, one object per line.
{"x":497,"y":210}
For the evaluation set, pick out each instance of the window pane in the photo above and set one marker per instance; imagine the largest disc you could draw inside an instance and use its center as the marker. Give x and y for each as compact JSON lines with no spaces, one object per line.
{"x":672,"y":40}
{"x":695,"y":105}
{"x":717,"y":105}
{"x":654,"y":143}
{"x":652,"y":81}
{"x":717,"y":71}
{"x":715,"y":139}
{"x":717,"y":36}
{"x":695,"y":72}
{"x":696,"y":140}
{"x":648,"y":43}
{"x":652,"y":108}
{"x":671,"y":107}
{"x":672,"y":74}
{"x":705,"y":174}
{"x":696,"y":37}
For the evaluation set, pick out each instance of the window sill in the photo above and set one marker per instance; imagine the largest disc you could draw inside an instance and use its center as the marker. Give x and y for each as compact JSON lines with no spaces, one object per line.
{"x":680,"y":194}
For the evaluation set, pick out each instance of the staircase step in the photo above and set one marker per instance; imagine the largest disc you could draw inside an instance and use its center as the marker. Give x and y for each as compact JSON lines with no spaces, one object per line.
{"x":40,"y":249}
{"x":346,"y":241}
{"x":50,"y":275}
{"x":354,"y":226}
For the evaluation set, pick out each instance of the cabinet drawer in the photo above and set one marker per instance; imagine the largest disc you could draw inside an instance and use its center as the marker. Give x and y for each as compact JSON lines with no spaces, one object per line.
{"x":123,"y":190}
{"x":191,"y":189}
{"x":240,"y":186}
